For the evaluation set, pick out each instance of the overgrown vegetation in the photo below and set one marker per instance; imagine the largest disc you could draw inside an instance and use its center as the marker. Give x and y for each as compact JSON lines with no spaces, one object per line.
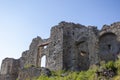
{"x":106,"y":71}
{"x":28,"y":65}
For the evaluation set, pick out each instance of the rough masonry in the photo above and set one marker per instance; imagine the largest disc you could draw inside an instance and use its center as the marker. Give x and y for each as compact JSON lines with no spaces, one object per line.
{"x":70,"y":47}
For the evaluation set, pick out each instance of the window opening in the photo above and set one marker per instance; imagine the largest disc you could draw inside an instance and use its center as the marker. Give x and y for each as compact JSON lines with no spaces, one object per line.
{"x":73,"y":33}
{"x":109,"y":47}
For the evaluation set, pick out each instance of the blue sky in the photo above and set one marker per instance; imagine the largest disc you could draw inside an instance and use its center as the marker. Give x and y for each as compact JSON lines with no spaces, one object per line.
{"x":22,"y":20}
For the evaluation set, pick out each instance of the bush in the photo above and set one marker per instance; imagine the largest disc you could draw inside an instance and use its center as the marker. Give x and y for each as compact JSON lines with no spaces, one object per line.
{"x":117,"y":65}
{"x":116,"y":78}
{"x":110,"y":65}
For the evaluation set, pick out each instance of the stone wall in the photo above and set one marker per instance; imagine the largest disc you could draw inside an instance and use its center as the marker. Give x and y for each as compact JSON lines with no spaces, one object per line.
{"x":93,"y":46}
{"x":80,"y":47}
{"x":55,"y":49}
{"x":9,"y":69}
{"x":70,"y":47}
{"x":30,"y":57}
{"x":109,"y":42}
{"x":73,"y":36}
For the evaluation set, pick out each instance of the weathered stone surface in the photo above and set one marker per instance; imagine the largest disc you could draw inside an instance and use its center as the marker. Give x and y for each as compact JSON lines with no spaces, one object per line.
{"x":55,"y":49}
{"x":31,"y":57}
{"x":32,"y":72}
{"x":9,"y":69}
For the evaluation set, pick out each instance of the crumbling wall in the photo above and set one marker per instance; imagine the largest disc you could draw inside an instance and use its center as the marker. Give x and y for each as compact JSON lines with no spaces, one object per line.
{"x":108,"y":46}
{"x":74,"y":37}
{"x":43,"y":50}
{"x":79,"y":46}
{"x":9,"y":69}
{"x":55,"y":49}
{"x":70,"y":47}
{"x":93,"y":45}
{"x":30,"y":57}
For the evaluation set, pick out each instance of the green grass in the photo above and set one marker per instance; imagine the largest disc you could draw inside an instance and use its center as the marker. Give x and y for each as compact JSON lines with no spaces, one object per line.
{"x":85,"y":75}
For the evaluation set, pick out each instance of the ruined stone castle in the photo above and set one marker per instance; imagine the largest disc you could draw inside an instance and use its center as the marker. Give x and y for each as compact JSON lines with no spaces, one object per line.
{"x":70,"y":47}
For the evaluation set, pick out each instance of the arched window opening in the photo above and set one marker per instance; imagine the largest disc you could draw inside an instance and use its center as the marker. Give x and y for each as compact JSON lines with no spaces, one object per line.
{"x":43,"y":61}
{"x":109,"y":47}
{"x":73,"y":33}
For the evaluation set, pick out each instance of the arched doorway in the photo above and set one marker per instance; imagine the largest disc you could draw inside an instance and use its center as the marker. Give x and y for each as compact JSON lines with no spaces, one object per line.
{"x":108,"y":46}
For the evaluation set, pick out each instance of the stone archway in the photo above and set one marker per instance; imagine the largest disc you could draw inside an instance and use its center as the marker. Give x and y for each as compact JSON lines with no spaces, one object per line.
{"x":41,"y":54}
{"x":108,"y":46}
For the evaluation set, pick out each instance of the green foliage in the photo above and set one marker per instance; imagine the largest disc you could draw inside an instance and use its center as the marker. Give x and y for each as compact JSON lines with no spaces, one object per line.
{"x":85,"y":75}
{"x":71,"y":76}
{"x":28,"y":65}
{"x":57,"y":73}
{"x":43,"y":78}
{"x":117,"y":65}
{"x":110,"y":65}
{"x":116,"y":78}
